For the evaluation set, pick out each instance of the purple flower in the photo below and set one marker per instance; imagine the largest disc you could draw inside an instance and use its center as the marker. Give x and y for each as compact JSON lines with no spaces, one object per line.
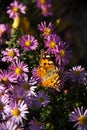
{"x":28,"y":42}
{"x":36,"y":125}
{"x":5,"y":32}
{"x":18,"y":111}
{"x":47,"y":10}
{"x":15,"y":9}
{"x":20,"y":69}
{"x":51,"y":43}
{"x":43,"y":2}
{"x":80,"y":117}
{"x":42,"y":99}
{"x":10,"y":54}
{"x":7,"y":78}
{"x":77,"y":74}
{"x":45,"y":29}
{"x":63,"y":55}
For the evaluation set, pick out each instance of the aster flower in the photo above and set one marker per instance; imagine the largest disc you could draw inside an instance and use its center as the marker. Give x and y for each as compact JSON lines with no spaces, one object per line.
{"x":20,"y":69}
{"x":6,"y":78}
{"x":15,"y":9}
{"x":47,"y":10}
{"x":77,"y":74}
{"x":36,"y":125}
{"x":64,"y":54}
{"x":43,"y":2}
{"x":45,"y":29}
{"x":9,"y":126}
{"x":29,"y":86}
{"x":10,"y":54}
{"x":80,"y":117}
{"x":51,"y":43}
{"x":5,"y":32}
{"x":17,"y":112}
{"x":42,"y":99}
{"x":28,"y":42}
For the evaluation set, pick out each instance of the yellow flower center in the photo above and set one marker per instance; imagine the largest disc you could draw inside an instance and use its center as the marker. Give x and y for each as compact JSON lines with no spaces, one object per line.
{"x":16,"y":112}
{"x":27,"y":43}
{"x":47,"y":31}
{"x":42,"y":1}
{"x":15,"y":9}
{"x":26,"y":86}
{"x":41,"y":99}
{"x":52,"y":45}
{"x":77,"y":73}
{"x":18,"y":71}
{"x":5,"y":80}
{"x":62,"y":53}
{"x":11,"y":53}
{"x":1,"y":106}
{"x":1,"y":32}
{"x":82,"y":120}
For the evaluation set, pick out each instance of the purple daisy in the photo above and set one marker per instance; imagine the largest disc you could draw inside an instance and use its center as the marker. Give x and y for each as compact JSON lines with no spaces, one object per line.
{"x":17,"y":112}
{"x":47,"y":10}
{"x":46,"y":29}
{"x":64,"y":54}
{"x":5,"y":32}
{"x":43,"y":2}
{"x":15,"y":9}
{"x":7,"y":78}
{"x":28,"y":42}
{"x":80,"y":117}
{"x":20,"y":69}
{"x":10,"y":55}
{"x":42,"y":99}
{"x":77,"y":74}
{"x":51,"y":43}
{"x":36,"y":125}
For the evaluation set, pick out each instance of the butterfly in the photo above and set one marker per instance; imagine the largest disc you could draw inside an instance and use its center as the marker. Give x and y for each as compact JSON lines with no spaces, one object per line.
{"x":48,"y":71}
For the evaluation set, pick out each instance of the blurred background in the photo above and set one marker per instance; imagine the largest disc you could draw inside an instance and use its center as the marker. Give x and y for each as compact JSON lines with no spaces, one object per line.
{"x":69,"y":18}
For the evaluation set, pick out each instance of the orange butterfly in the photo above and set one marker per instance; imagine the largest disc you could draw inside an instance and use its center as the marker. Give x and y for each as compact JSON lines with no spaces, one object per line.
{"x":48,"y":72}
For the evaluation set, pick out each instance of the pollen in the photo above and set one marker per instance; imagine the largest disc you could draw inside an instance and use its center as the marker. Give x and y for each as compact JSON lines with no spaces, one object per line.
{"x":52,"y":44}
{"x":11,"y":53}
{"x":15,"y":9}
{"x":82,"y":120}
{"x":18,"y":71}
{"x":5,"y":80}
{"x":1,"y":32}
{"x":16,"y":112}
{"x":26,"y":86}
{"x":1,"y":106}
{"x":62,"y":53}
{"x":27,"y":43}
{"x":77,"y":73}
{"x":47,"y":31}
{"x":41,"y":100}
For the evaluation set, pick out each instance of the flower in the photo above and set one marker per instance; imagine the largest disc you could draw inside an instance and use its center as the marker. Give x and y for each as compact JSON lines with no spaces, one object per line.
{"x":42,"y":99}
{"x":45,"y":29}
{"x":28,"y":42}
{"x":5,"y":32}
{"x":47,"y":10}
{"x":51,"y":43}
{"x":77,"y":74}
{"x":36,"y":125}
{"x":7,"y":78}
{"x":15,"y":9}
{"x":19,"y":68}
{"x":80,"y":117}
{"x":18,"y":111}
{"x":10,"y":54}
{"x":63,"y":55}
{"x":43,"y":2}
